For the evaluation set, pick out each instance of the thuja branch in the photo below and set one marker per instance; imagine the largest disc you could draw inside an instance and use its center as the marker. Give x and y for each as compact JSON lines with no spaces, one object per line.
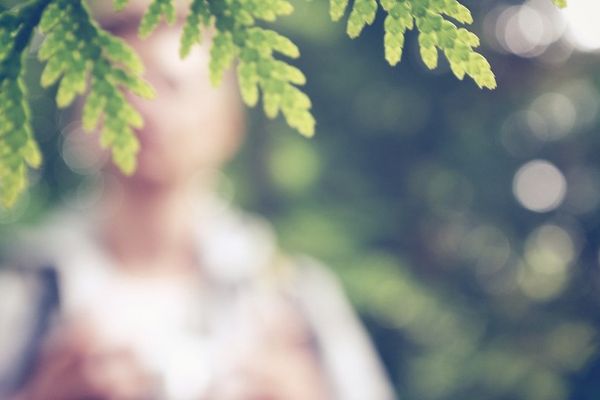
{"x":85,"y":60}
{"x":18,"y":149}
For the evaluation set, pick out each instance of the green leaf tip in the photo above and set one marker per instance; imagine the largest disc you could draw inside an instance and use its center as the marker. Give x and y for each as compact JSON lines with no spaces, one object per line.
{"x":119,"y":5}
{"x":560,"y":3}
{"x":157,"y":10}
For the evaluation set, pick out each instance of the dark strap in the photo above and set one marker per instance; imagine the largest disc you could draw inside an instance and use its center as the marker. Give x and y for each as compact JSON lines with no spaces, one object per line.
{"x":47,"y":303}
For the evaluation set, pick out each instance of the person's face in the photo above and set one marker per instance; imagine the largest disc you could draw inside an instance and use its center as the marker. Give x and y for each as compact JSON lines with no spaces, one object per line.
{"x":190,"y":125}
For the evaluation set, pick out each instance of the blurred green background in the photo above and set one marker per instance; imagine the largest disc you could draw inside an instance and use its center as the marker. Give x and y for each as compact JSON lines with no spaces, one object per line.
{"x":464,"y":224}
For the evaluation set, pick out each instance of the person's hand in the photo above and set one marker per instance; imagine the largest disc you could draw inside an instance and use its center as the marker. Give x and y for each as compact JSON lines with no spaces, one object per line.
{"x":275,"y":374}
{"x":74,"y":365}
{"x":283,"y":365}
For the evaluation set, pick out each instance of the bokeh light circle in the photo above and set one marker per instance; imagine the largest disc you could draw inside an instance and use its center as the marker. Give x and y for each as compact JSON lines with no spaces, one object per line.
{"x":539,"y":186}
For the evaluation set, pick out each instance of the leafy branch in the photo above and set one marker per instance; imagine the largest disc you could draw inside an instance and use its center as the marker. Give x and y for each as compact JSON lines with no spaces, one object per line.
{"x":85,"y":60}
{"x":436,"y":33}
{"x":239,"y":37}
{"x":75,"y":47}
{"x":18,"y":149}
{"x":78,"y":55}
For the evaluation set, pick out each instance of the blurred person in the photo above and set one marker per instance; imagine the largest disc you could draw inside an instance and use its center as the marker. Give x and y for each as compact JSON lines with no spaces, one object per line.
{"x":162,"y":290}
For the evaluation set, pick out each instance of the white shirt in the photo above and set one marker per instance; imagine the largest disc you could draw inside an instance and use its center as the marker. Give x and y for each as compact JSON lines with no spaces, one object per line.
{"x":193,"y":335}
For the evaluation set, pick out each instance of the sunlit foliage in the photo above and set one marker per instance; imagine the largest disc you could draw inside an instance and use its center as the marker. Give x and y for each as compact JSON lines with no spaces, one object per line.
{"x":80,"y":57}
{"x":436,"y":33}
{"x":18,"y":149}
{"x":83,"y":59}
{"x":75,"y":48}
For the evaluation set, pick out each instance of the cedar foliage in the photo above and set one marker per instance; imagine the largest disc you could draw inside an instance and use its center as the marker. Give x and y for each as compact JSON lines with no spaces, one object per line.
{"x":85,"y":60}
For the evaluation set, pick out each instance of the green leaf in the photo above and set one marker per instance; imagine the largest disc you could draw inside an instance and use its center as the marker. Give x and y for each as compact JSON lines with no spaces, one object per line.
{"x":154,"y":14}
{"x":120,"y":4}
{"x":92,"y":110}
{"x":32,"y":154}
{"x":51,"y":17}
{"x":362,"y":14}
{"x":248,"y":80}
{"x":118,"y":51}
{"x":198,"y":15}
{"x":337,"y":9}
{"x":560,"y":3}
{"x":223,"y":52}
{"x":52,"y":71}
{"x":429,"y":56}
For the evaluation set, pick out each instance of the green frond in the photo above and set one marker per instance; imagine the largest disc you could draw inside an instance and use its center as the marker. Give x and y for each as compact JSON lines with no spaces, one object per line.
{"x":258,"y":70}
{"x":78,"y":51}
{"x":84,"y":60}
{"x":18,"y":149}
{"x":437,"y":33}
